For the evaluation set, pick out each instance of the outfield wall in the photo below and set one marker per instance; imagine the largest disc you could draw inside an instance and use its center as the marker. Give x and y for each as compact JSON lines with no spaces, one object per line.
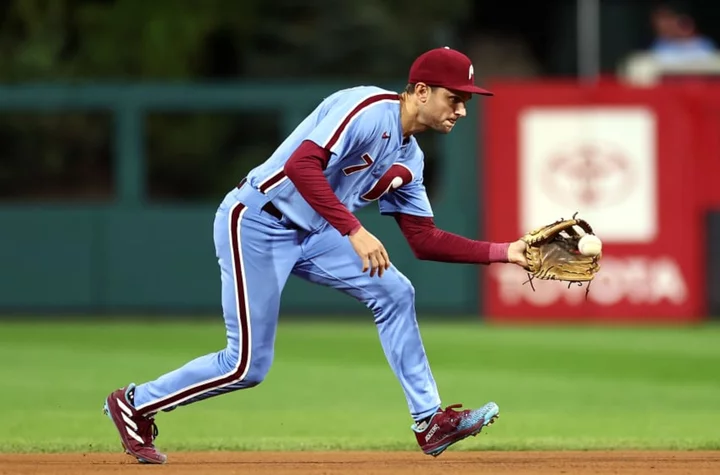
{"x":652,"y":162}
{"x":130,"y":255}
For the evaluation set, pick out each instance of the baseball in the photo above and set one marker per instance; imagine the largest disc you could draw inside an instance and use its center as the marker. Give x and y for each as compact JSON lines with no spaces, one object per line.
{"x":590,"y":245}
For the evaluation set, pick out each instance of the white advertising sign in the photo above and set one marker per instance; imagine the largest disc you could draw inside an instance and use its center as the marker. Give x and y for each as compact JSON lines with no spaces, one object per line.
{"x":597,"y":161}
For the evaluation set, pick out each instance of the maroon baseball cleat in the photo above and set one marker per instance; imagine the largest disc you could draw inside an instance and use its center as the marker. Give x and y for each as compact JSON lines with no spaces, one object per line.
{"x":137,"y":432}
{"x":449,"y":426}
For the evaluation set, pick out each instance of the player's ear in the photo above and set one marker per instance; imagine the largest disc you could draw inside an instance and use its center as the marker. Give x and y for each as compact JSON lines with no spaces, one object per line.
{"x":422,"y":91}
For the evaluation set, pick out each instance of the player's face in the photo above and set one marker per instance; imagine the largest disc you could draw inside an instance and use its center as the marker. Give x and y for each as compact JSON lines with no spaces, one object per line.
{"x":443,"y":107}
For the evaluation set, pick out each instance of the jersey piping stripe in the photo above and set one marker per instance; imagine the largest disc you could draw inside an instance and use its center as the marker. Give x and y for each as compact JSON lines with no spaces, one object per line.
{"x":274,"y":180}
{"x":365,"y":103}
{"x":240,"y":370}
{"x":279,"y":176}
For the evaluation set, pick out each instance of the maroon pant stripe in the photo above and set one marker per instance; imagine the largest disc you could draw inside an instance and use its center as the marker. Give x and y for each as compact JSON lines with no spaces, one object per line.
{"x":240,"y":370}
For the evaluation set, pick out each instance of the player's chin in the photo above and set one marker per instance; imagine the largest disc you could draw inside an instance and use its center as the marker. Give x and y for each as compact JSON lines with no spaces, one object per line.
{"x":446,"y":126}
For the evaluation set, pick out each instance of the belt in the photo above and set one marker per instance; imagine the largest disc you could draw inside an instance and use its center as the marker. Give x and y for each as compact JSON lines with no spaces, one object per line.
{"x":269,"y":208}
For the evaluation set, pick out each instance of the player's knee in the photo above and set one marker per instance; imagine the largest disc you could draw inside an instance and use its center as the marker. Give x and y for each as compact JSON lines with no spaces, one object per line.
{"x":406,"y":299}
{"x":393,"y":294}
{"x":259,"y":368}
{"x":255,"y":374}
{"x":404,"y":290}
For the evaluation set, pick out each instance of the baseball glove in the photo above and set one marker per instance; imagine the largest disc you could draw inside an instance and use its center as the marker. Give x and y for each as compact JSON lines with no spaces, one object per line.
{"x":552,"y":253}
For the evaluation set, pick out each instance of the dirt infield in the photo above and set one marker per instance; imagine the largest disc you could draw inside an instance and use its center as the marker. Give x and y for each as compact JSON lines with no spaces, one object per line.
{"x":368,"y":463}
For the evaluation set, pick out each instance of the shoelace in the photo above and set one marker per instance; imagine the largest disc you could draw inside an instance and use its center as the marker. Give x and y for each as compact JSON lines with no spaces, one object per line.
{"x":454,"y":417}
{"x":150,"y":428}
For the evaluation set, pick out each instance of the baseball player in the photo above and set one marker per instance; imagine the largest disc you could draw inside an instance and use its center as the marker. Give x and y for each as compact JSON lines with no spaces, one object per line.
{"x":293,"y":214}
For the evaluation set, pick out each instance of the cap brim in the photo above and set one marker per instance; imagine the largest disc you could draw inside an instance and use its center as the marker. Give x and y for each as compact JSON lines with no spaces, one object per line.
{"x":472,"y":90}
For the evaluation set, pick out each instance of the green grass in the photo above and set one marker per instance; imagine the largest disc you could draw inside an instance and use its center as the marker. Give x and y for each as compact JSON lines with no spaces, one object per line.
{"x":331,"y":388}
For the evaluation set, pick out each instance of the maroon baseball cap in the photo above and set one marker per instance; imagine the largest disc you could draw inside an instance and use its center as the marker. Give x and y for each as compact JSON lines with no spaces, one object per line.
{"x":446,"y":68}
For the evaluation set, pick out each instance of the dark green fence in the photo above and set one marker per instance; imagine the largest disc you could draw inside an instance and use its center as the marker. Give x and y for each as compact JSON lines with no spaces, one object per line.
{"x":132,"y":255}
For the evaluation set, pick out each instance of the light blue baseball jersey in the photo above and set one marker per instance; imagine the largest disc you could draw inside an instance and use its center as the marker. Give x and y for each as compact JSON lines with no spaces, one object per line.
{"x":369,"y":163}
{"x":369,"y":160}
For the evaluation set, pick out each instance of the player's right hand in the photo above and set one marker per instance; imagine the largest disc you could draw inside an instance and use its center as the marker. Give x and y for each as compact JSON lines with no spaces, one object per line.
{"x":371,"y":251}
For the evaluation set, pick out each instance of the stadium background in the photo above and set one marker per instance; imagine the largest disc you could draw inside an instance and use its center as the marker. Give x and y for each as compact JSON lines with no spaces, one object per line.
{"x":123,"y":124}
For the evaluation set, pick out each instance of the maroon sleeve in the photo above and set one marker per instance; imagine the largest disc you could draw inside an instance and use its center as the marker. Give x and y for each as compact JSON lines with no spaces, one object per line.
{"x":433,"y":244}
{"x":305,"y":169}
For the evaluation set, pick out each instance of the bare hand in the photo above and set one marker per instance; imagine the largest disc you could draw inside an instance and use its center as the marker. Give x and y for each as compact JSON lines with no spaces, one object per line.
{"x":371,"y":251}
{"x":516,"y":253}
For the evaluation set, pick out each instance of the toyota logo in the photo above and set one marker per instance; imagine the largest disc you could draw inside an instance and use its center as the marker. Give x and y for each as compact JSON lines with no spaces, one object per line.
{"x":587,"y":175}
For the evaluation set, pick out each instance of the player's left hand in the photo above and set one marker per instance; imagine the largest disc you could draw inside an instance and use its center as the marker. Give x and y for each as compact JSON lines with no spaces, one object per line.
{"x":516,"y":253}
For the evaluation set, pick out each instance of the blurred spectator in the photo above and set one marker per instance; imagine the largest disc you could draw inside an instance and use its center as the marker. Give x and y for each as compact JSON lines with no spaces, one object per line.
{"x":677,"y":38}
{"x":679,"y":51}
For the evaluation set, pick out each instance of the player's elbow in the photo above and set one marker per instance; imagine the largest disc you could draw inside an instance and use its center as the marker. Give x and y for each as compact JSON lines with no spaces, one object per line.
{"x":423,"y":254}
{"x":420,"y":234}
{"x":419,"y":248}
